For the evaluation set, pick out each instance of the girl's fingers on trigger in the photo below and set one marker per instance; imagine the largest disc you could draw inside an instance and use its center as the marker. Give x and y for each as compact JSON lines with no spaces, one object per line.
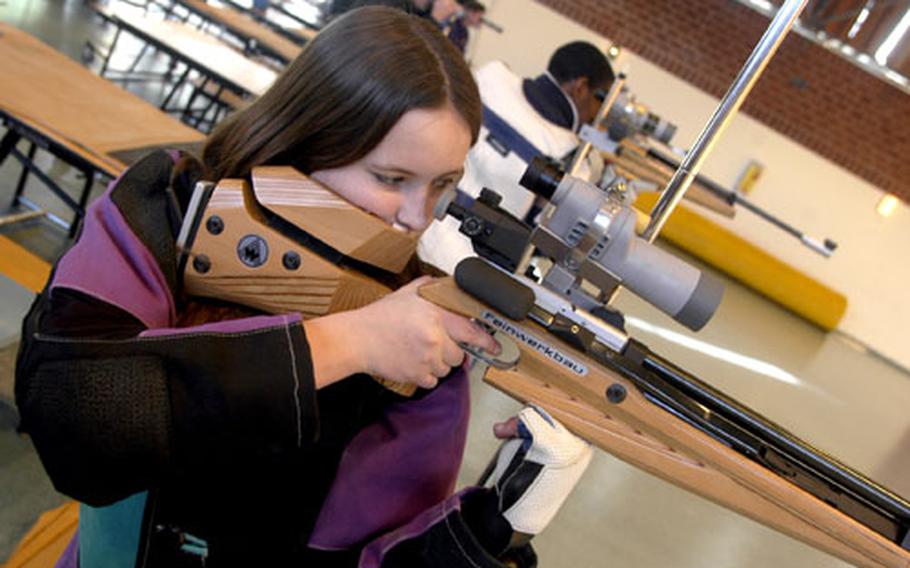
{"x":463,"y":330}
{"x":452,"y":354}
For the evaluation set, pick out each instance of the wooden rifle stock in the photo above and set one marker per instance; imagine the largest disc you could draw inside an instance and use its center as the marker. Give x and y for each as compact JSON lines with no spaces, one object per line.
{"x":642,"y":434}
{"x":271,"y":247}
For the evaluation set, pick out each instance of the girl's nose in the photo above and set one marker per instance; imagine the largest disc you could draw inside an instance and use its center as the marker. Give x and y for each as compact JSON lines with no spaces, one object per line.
{"x":414,"y":213}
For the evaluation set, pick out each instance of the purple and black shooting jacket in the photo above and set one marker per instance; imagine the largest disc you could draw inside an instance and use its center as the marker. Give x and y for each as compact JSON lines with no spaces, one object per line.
{"x":220,"y":422}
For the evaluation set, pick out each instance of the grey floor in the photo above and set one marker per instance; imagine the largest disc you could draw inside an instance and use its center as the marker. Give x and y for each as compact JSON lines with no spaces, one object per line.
{"x":823,"y":387}
{"x":25,"y":490}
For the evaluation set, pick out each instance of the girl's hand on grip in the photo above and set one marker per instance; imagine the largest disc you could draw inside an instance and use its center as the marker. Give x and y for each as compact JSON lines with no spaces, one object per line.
{"x":404,"y":338}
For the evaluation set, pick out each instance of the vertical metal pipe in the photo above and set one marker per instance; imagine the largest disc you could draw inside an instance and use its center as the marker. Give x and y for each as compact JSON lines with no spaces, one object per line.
{"x":605,"y":106}
{"x":725,"y":111}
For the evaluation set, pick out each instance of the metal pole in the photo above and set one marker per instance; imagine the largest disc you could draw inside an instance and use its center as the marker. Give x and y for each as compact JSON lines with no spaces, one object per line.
{"x":725,"y":111}
{"x":605,"y":106}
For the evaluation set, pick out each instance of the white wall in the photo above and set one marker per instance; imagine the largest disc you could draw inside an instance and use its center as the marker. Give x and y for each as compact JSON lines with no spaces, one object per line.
{"x":872,"y":263}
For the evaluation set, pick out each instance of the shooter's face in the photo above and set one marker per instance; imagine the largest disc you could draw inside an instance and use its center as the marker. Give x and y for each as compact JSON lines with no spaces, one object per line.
{"x":401,"y":179}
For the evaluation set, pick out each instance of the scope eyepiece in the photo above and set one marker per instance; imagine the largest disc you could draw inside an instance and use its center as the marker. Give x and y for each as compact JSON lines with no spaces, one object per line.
{"x":543,"y":176}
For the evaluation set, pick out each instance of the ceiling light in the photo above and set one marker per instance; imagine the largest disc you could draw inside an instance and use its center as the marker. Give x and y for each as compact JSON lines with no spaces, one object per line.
{"x":887,"y":205}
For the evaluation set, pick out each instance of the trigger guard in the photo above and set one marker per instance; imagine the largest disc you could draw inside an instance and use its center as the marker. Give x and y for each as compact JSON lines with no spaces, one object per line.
{"x":507,"y":358}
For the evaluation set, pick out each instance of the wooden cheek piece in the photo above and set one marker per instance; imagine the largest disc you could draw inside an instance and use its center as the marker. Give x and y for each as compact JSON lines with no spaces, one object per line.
{"x":237,"y":256}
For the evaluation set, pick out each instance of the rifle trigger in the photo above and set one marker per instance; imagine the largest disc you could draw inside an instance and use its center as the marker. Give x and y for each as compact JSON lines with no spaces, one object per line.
{"x":507,"y":358}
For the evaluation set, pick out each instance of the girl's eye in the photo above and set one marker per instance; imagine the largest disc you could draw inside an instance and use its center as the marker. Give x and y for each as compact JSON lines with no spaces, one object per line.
{"x":388,"y":180}
{"x":444,"y":183}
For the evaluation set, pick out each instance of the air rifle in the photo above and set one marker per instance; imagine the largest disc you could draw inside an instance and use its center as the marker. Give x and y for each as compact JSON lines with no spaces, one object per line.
{"x":286,"y":243}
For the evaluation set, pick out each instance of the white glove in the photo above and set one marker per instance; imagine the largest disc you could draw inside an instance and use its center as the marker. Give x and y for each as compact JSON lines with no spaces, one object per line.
{"x":536,"y":471}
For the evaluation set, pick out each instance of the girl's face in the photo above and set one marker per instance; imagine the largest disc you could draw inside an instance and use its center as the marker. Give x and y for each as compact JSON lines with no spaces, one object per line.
{"x":401,"y":179}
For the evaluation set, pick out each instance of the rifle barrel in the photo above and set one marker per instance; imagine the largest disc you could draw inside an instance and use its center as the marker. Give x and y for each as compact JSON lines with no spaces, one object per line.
{"x":736,"y":198}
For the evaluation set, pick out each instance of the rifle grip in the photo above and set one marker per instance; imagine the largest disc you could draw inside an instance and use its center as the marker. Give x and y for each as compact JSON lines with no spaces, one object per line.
{"x":403,"y":389}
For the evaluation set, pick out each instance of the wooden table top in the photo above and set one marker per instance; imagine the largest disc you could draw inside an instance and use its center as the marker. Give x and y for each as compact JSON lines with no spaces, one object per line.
{"x":74,"y":107}
{"x":278,"y":14}
{"x":302,"y":32}
{"x":245,"y":26}
{"x":200,"y":49}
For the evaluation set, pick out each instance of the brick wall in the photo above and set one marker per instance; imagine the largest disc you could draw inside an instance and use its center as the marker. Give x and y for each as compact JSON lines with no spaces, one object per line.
{"x":807,"y":93}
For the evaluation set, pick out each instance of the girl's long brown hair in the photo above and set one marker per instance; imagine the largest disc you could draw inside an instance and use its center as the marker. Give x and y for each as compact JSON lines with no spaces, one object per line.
{"x":343,"y":93}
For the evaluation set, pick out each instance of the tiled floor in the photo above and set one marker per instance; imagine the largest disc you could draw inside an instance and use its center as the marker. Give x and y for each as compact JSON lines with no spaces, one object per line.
{"x":823,"y":387}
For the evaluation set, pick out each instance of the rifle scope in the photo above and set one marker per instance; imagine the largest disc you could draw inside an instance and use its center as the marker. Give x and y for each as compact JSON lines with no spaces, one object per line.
{"x":590,"y":235}
{"x":542,"y":177}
